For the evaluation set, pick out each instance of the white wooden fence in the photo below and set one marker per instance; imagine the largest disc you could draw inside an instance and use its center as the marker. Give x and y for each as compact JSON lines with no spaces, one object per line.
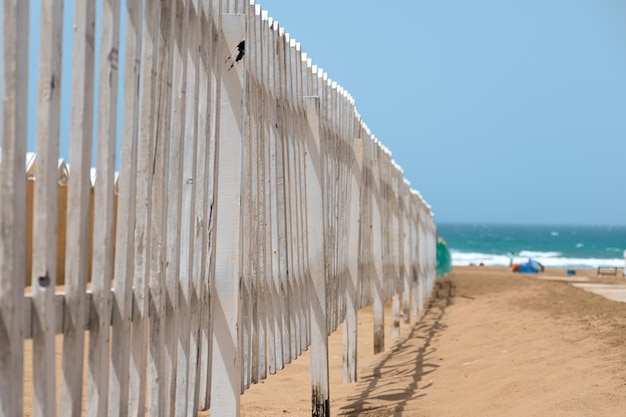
{"x":254,"y":212}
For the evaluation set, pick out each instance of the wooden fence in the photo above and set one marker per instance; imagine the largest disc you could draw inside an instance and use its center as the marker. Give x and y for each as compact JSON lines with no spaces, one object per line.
{"x":254,"y":212}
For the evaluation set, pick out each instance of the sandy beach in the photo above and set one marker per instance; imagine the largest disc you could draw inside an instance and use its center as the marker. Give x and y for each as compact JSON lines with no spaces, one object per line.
{"x":493,"y":343}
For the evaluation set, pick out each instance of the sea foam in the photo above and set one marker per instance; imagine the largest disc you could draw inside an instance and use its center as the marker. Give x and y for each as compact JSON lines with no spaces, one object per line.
{"x":547,"y":259}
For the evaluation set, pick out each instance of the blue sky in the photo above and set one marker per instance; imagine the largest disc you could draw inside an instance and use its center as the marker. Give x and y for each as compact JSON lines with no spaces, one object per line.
{"x":499,"y":111}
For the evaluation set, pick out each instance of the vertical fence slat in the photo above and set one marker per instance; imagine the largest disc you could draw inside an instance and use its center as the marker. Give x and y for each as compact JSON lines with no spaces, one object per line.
{"x":144,"y":27}
{"x":15,"y":34}
{"x":143,"y":365}
{"x":163,"y":26}
{"x":306,"y":78}
{"x":212,"y":10}
{"x":226,"y":363}
{"x":271,"y":263}
{"x":260,"y":340}
{"x":248,"y":202}
{"x":352,"y":297}
{"x":78,"y":208}
{"x":103,"y":223}
{"x":123,"y":390}
{"x":377,"y":270}
{"x":44,"y":269}
{"x":253,"y":105}
{"x":300,"y":131}
{"x":411,"y":250}
{"x":173,"y":197}
{"x":290,"y":201}
{"x":276,"y":360}
{"x":421,"y":252}
{"x":319,"y":333}
{"x":405,"y":252}
{"x":394,"y":258}
{"x":281,"y":198}
{"x":187,"y":184}
{"x":200,"y":228}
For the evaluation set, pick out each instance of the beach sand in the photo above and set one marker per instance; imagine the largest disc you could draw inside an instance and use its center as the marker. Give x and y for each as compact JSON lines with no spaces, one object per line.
{"x":493,"y":343}
{"x":496,"y":344}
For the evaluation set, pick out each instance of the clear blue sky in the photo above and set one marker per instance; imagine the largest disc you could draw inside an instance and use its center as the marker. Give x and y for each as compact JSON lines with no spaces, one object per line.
{"x":499,"y":111}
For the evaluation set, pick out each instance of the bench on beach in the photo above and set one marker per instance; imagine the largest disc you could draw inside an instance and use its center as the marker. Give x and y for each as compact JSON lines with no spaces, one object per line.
{"x":609,"y":270}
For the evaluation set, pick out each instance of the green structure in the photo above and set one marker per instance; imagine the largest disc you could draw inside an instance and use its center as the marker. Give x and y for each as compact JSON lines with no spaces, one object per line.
{"x":444,"y":259}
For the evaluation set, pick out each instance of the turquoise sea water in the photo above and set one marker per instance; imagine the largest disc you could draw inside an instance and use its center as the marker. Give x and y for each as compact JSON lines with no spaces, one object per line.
{"x":553,"y":246}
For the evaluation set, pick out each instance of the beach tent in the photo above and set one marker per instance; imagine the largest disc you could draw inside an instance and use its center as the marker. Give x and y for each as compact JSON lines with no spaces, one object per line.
{"x":530,"y":267}
{"x":444,"y":259}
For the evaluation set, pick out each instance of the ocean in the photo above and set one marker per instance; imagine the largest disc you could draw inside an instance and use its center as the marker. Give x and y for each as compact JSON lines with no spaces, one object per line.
{"x":552,"y":246}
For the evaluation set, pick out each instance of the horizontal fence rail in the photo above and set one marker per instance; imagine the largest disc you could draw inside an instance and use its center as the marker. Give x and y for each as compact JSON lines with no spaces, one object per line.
{"x":236,"y":215}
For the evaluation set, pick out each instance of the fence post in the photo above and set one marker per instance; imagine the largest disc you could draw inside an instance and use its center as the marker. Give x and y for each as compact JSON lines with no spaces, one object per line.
{"x":163,"y":27}
{"x":352,"y":284}
{"x":394,"y":245}
{"x":405,"y":248}
{"x":226,"y":355}
{"x":103,"y":229}
{"x":203,"y":182}
{"x":190,"y":185}
{"x":319,"y":334}
{"x":213,"y":16}
{"x":376,"y":225}
{"x":275,"y":346}
{"x":300,"y":198}
{"x":79,"y":190}
{"x":15,"y":31}
{"x":45,"y":225}
{"x":128,"y":388}
{"x":174,"y":195}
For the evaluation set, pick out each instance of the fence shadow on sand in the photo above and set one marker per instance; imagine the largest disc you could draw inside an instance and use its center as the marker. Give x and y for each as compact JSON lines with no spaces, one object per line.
{"x":385,"y":388}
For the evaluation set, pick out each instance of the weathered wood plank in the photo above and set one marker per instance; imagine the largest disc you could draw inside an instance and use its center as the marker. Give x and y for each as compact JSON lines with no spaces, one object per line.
{"x":202,"y":205}
{"x":317,"y":275}
{"x":293,"y":266}
{"x":394,"y":250}
{"x":215,"y":64}
{"x":173,"y":267}
{"x":188,"y":186}
{"x":299,"y":132}
{"x":103,"y":215}
{"x":259,"y":368}
{"x":78,"y":208}
{"x":421,"y":253}
{"x":377,"y":270}
{"x":226,"y":355}
{"x":163,"y":27}
{"x":276,"y":326}
{"x":414,"y":254}
{"x":15,"y":34}
{"x":147,"y":113}
{"x":249,"y":205}
{"x":281,"y":197}
{"x":290,"y":215}
{"x":352,"y":296}
{"x":306,"y":76}
{"x":126,"y":396}
{"x":406,"y":251}
{"x":44,"y":267}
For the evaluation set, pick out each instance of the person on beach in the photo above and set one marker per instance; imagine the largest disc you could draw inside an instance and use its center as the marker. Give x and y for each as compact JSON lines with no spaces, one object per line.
{"x":511,"y":256}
